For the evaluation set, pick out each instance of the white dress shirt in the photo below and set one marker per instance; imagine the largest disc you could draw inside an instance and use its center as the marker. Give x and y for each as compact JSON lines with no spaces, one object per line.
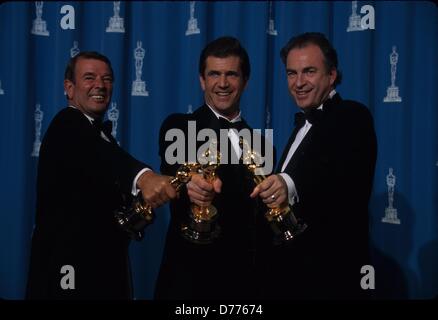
{"x":232,"y":134}
{"x":292,"y":191}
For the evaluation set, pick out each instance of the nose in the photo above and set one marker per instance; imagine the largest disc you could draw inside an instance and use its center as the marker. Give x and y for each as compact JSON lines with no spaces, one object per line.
{"x":299,"y":80}
{"x":223,"y":81}
{"x":99,"y":83}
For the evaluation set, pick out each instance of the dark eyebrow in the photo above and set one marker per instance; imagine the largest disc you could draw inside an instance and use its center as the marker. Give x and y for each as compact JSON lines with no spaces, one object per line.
{"x":89,"y":74}
{"x":215,"y":72}
{"x":227,"y":73}
{"x":310,"y":69}
{"x":232,"y":73}
{"x":94,"y":75}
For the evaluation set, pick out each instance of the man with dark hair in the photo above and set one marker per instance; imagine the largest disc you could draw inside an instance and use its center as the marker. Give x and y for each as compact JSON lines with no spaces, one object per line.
{"x":69,"y":73}
{"x":330,"y":57}
{"x":78,"y":249}
{"x":326,"y":173}
{"x":226,"y":266}
{"x":222,"y":48}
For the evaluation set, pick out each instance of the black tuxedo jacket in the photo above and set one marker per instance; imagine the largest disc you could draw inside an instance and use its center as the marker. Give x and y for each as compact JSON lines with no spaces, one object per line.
{"x":227,"y":268}
{"x":333,"y":170}
{"x":81,"y":179}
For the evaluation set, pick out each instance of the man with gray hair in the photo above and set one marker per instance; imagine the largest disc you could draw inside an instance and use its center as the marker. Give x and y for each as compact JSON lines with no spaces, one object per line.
{"x":326,"y":174}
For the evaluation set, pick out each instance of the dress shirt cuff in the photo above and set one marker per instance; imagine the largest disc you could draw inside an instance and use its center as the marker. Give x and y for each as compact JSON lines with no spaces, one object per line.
{"x":135,"y":190}
{"x":291,"y":190}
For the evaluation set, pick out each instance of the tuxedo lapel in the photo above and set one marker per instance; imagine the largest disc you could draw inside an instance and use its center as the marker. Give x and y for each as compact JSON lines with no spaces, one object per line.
{"x":107,"y":129}
{"x":205,"y":118}
{"x":300,"y":152}
{"x":287,"y":148}
{"x":111,"y":138}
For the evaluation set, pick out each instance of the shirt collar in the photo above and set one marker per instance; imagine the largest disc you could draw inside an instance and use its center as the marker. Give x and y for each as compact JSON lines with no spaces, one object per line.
{"x":218,"y":115}
{"x":331,"y":94}
{"x":86,"y":115}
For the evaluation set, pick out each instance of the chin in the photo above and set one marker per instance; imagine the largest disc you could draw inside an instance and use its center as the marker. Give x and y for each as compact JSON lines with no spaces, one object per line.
{"x":303,"y":104}
{"x":225,"y":108}
{"x":221,"y":108}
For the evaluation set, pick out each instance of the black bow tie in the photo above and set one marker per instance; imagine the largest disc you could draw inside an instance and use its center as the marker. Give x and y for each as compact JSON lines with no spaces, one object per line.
{"x":313,"y":116}
{"x":225,"y":124}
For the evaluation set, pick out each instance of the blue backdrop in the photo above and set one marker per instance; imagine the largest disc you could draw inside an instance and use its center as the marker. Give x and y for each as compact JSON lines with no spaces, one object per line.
{"x":388,"y":54}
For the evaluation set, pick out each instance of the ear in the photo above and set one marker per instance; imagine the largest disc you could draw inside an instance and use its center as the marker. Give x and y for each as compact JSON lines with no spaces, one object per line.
{"x":333,"y":75}
{"x":202,"y":81}
{"x":245,"y":84}
{"x":69,"y":88}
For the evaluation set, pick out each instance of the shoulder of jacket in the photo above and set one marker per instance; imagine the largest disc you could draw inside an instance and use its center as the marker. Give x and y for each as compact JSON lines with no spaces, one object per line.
{"x":353,"y":109}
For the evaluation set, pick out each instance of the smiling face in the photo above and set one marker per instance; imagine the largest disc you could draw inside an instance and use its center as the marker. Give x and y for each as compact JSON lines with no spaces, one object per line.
{"x":92,"y":89}
{"x":308,"y":79}
{"x":223,"y":84}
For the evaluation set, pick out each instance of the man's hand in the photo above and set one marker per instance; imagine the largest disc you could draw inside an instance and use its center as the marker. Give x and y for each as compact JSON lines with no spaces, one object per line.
{"x":155,"y":188}
{"x":201,"y":192}
{"x":273,"y":191}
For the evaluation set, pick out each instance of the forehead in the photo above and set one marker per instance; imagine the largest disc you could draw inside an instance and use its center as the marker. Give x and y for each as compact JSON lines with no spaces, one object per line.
{"x":228,"y":63}
{"x":306,"y":56}
{"x":91,"y":65}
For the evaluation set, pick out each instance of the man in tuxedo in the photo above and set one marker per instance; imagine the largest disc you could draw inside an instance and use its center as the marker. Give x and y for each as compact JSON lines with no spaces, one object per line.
{"x":225,"y":268}
{"x":326,"y":175}
{"x":78,"y":249}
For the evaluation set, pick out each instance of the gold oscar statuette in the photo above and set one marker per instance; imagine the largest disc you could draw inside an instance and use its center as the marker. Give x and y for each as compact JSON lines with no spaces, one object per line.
{"x":283,"y":222}
{"x":201,"y":226}
{"x":139,"y":214}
